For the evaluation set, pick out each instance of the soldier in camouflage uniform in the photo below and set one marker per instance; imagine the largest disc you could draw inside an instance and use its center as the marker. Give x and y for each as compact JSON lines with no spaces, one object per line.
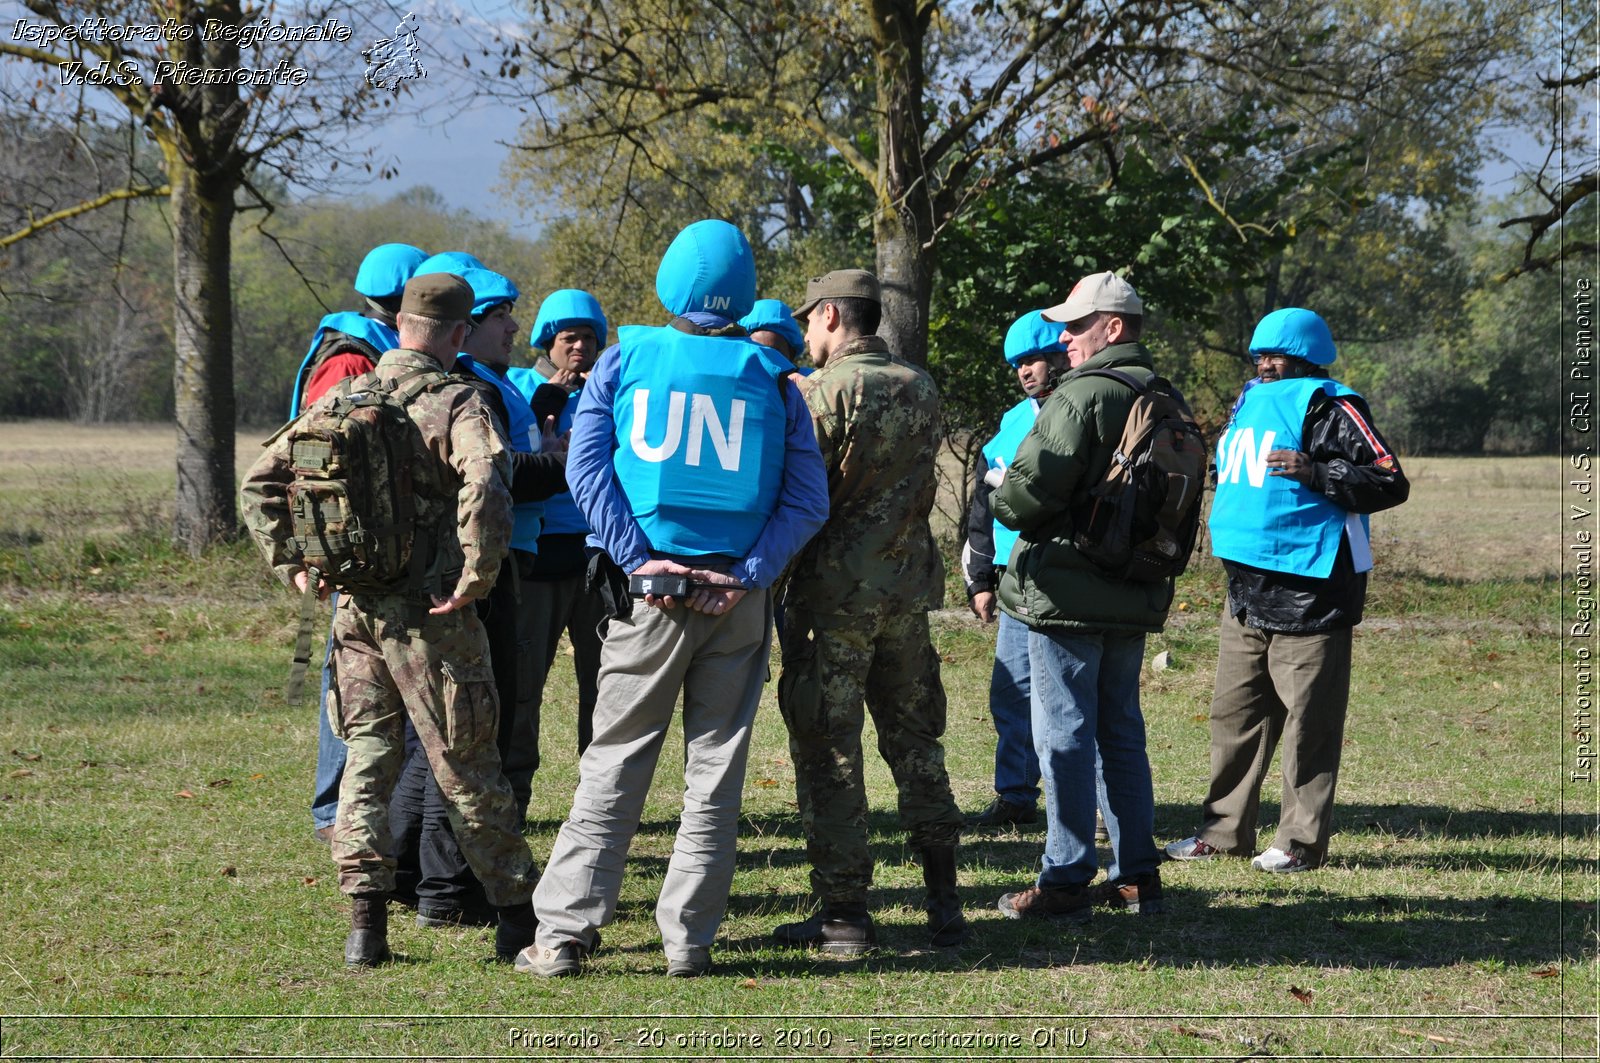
{"x":393,"y":652}
{"x":856,"y":627}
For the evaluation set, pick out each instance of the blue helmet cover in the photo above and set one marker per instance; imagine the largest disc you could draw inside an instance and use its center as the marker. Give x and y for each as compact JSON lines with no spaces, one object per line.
{"x":387,"y":267}
{"x":708,"y":267}
{"x":1296,"y":332}
{"x":489,"y":289}
{"x":450,"y":262}
{"x":563,"y":309}
{"x":774,"y":315}
{"x":1032,"y":334}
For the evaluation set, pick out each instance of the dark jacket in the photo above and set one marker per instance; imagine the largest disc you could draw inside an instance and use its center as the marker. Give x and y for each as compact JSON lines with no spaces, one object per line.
{"x":1049,"y":583}
{"x":1353,"y":467}
{"x":978,"y":569}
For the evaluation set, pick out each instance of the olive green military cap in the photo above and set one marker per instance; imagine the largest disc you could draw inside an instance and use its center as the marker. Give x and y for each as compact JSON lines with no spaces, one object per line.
{"x":839,"y":284}
{"x":441,"y":296}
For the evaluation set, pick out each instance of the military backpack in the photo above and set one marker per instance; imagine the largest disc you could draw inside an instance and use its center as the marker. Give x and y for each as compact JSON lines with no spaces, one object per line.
{"x":1140,"y":521}
{"x":352,"y":503}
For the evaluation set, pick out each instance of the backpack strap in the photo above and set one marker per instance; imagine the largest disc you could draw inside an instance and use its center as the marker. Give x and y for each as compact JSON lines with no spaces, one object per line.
{"x":1127,"y":379}
{"x":302,"y":642}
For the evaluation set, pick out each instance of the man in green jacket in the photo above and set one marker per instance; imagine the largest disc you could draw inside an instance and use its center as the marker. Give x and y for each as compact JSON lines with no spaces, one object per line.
{"x":1086,"y":626}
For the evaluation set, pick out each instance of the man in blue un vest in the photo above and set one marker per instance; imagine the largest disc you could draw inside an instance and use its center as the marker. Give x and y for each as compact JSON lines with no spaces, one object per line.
{"x":692,"y":455}
{"x":1298,"y":470}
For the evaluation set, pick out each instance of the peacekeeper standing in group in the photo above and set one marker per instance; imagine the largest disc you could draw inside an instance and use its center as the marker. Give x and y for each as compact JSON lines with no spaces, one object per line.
{"x":422,"y":657}
{"x":347,"y":344}
{"x":1033,"y":348}
{"x":856,"y":622}
{"x":1086,"y":626}
{"x":570,"y":331}
{"x":431,"y":872}
{"x":692,"y":456}
{"x":1298,"y":469}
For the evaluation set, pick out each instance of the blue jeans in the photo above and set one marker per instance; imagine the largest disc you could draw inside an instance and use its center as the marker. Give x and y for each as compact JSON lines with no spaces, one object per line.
{"x":330,"y":751}
{"x":1089,"y":735}
{"x":1016,"y":764}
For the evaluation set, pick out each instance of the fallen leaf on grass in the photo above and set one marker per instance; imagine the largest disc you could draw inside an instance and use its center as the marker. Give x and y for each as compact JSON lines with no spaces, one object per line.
{"x":1190,"y":1031}
{"x":1434,"y":1037}
{"x":27,"y":756}
{"x":1302,"y":995}
{"x":309,"y":880}
{"x":20,"y":773}
{"x":184,"y":793}
{"x":88,"y":763}
{"x":750,"y":983}
{"x":217,"y":784}
{"x":766,"y":782}
{"x":230,"y":872}
{"x":257,"y":775}
{"x":1548,"y":972}
{"x":149,"y":650}
{"x":1200,"y":717}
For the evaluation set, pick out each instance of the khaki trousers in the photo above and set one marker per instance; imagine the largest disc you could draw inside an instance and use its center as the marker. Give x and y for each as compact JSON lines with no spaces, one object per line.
{"x":1272,"y":686}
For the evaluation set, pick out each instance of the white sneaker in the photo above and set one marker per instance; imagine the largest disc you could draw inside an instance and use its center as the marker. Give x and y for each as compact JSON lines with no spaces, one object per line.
{"x":1278,"y":862}
{"x":1191,"y":849}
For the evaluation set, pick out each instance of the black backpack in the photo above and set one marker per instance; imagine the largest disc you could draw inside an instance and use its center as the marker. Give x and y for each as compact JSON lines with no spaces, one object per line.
{"x":1140,"y":521}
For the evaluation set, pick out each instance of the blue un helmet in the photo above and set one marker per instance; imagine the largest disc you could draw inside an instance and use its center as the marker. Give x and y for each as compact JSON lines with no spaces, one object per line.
{"x":1032,"y":334}
{"x":562,"y":309}
{"x":450,"y":262}
{"x":1297,"y":333}
{"x":387,"y":267}
{"x":774,"y":315}
{"x":489,"y":289}
{"x":708,"y":267}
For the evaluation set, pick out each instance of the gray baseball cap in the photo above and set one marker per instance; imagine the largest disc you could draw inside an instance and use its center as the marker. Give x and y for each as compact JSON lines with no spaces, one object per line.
{"x":1096,"y":292}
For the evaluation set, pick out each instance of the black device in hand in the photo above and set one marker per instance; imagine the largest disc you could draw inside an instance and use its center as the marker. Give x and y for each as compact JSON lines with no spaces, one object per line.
{"x":660,"y":584}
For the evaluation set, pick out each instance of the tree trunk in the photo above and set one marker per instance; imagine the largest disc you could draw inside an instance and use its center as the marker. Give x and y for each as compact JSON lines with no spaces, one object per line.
{"x":904,"y":225}
{"x":202,"y":218}
{"x":905,"y":270}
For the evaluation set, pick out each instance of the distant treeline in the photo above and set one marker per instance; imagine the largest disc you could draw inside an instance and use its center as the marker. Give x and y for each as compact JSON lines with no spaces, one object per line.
{"x":1452,"y":360}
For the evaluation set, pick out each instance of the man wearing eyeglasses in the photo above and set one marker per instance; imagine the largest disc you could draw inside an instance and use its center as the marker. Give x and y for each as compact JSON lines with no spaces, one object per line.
{"x":1298,"y":470}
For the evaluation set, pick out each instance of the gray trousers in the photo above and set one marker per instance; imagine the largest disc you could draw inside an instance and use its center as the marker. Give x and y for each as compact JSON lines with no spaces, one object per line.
{"x":719,"y":664}
{"x":1269,"y":686}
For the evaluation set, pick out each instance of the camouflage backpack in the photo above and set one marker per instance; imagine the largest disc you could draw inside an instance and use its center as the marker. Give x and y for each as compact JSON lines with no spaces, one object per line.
{"x":1140,"y":521}
{"x":353,"y":499}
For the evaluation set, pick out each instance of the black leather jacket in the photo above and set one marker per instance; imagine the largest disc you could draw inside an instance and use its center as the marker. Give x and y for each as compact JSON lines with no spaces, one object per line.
{"x":1355,"y":468}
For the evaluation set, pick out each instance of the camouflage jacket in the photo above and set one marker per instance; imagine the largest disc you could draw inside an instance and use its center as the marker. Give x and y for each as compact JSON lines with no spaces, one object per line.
{"x":877,"y":424}
{"x":461,"y":476}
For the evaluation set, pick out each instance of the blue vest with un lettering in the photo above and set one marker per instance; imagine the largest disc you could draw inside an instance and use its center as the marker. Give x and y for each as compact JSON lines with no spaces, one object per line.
{"x":561,"y":513}
{"x":700,"y":430}
{"x":524,"y":436}
{"x":1272,"y":522}
{"x":999,"y":451}
{"x":381,"y":336}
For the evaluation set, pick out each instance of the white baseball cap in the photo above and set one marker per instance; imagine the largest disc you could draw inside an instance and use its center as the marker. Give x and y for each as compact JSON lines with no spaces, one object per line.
{"x":1096,"y":292}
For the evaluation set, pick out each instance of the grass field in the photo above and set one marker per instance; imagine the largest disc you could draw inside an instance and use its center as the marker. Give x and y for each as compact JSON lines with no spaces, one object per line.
{"x":163,"y":896}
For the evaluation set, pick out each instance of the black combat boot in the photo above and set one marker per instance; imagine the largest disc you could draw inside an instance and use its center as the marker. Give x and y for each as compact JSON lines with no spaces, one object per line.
{"x":368,"y":943}
{"x":837,"y":929}
{"x":515,"y":932}
{"x":945,"y":921}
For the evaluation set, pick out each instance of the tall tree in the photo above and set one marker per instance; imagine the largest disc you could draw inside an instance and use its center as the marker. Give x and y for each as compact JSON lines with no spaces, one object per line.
{"x":223,"y":91}
{"x":932,"y":104}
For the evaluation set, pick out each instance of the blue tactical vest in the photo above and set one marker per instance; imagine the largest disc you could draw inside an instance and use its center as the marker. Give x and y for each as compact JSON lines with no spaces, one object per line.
{"x":700,"y":427}
{"x":561,"y":513}
{"x":381,"y":336}
{"x":999,"y":452}
{"x":1272,"y":522}
{"x":524,"y":436}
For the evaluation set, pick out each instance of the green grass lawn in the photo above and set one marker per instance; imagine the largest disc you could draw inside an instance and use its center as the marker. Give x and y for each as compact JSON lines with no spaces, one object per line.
{"x":163,"y":896}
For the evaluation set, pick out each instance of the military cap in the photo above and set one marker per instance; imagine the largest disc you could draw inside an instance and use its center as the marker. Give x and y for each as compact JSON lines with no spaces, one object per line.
{"x":441,"y":296}
{"x":839,"y":284}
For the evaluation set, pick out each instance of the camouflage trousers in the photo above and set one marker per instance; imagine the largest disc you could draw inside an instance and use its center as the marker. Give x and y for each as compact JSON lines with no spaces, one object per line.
{"x":439,"y":675}
{"x":831,"y":666}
